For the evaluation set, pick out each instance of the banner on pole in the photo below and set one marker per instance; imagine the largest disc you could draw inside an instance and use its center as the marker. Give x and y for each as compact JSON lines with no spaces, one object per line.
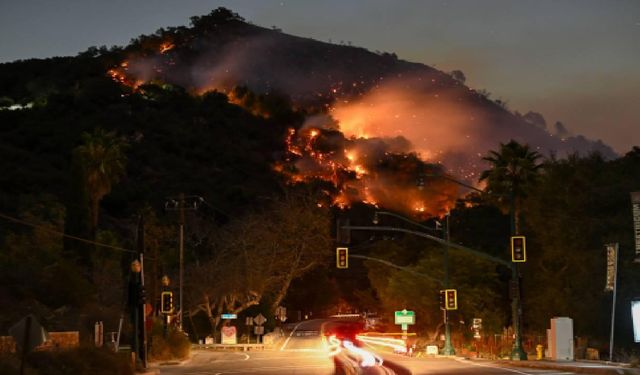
{"x":635,"y":204}
{"x":612,"y":249}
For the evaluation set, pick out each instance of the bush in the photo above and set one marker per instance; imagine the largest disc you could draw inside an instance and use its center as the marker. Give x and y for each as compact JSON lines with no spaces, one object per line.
{"x":80,"y":361}
{"x":175,"y":346}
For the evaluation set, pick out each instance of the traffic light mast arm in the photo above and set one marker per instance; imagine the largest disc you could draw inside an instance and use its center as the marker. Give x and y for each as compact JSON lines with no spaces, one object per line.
{"x":433,"y":238}
{"x":386,"y":262}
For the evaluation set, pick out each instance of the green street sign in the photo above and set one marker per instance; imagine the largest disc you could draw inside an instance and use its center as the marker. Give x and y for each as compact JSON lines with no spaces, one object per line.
{"x":405,"y":317}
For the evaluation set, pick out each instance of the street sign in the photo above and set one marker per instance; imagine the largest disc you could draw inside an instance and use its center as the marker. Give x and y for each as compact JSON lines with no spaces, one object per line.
{"x":260,"y":319}
{"x":477,"y":323}
{"x":229,"y":335}
{"x":405,"y":317}
{"x":248,"y":321}
{"x":30,"y":329}
{"x":477,"y":327}
{"x":258,"y":330}
{"x":229,"y":316}
{"x":281,"y":313}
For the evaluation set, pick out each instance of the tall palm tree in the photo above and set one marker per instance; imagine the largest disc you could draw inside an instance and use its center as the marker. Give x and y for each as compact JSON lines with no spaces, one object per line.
{"x":514,"y":168}
{"x":102,"y":162}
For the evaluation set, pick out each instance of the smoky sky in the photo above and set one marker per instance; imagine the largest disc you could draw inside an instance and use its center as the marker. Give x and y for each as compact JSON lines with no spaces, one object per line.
{"x":572,"y":61}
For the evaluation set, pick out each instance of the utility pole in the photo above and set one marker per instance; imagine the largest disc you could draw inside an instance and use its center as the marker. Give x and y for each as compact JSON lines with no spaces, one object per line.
{"x":181,"y":204}
{"x":143,"y":312}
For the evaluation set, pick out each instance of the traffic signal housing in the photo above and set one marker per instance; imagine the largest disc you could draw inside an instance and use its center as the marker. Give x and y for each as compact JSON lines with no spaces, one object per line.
{"x":342,"y":257}
{"x":518,"y":249}
{"x":449,"y":299}
{"x":166,"y":302}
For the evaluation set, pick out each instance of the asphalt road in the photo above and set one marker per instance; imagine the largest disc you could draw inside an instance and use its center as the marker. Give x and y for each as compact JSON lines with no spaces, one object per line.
{"x":304,"y":351}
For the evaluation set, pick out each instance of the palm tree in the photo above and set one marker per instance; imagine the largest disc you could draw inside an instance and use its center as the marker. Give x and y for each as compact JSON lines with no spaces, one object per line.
{"x":514,"y":168}
{"x":102,"y":162}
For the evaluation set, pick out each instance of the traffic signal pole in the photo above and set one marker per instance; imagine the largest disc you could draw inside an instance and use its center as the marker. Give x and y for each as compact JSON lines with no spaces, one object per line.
{"x":448,"y":346}
{"x":517,"y":353}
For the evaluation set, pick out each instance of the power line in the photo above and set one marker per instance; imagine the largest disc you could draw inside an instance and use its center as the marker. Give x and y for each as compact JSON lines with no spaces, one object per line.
{"x":38,"y":226}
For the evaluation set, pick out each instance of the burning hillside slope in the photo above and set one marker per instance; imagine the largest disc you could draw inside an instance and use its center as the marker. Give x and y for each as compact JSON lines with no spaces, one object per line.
{"x":358,"y":95}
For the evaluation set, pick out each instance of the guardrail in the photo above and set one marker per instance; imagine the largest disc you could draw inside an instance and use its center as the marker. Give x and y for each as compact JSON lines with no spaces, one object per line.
{"x":243,"y":347}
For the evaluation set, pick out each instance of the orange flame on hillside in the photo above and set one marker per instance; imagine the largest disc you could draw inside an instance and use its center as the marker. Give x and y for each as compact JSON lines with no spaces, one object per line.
{"x":365,"y":170}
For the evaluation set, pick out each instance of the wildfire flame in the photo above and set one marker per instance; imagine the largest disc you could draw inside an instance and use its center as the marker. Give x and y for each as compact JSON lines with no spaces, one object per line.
{"x":166,"y":46}
{"x":359,"y":165}
{"x":365,"y":171}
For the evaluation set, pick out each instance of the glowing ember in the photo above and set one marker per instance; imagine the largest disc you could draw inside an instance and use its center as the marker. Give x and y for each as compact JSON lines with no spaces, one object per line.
{"x":164,"y":47}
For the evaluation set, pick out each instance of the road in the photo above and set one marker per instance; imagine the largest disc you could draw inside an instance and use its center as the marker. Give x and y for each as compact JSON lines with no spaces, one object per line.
{"x":304,"y":351}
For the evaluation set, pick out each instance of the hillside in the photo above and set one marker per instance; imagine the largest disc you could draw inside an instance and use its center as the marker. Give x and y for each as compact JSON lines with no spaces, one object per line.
{"x":354,"y":102}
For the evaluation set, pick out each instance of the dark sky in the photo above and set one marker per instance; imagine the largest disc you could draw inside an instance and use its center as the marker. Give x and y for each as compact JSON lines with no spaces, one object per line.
{"x":574,"y":61}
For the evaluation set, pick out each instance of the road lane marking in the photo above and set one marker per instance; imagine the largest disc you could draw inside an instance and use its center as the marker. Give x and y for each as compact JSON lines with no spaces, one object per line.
{"x":246,"y":356}
{"x":290,"y":335}
{"x":502,"y":368}
{"x":279,"y":368}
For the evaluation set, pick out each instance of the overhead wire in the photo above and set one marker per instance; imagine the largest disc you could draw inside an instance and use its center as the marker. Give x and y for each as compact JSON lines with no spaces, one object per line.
{"x":42,"y":227}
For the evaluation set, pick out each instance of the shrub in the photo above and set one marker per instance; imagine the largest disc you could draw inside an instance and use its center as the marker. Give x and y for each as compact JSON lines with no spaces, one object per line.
{"x":175,"y":346}
{"x":80,"y":361}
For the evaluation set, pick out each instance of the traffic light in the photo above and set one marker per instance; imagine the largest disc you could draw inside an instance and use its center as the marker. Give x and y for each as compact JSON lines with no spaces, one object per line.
{"x":342,"y":257}
{"x":166,"y":302}
{"x":451,"y":299}
{"x":442,"y":296}
{"x":518,"y":249}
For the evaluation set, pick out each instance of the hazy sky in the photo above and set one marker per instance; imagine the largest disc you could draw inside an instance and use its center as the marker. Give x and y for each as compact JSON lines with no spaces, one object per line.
{"x":575,"y":61}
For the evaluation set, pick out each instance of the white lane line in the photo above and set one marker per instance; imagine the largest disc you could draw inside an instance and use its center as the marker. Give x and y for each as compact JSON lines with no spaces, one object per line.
{"x":290,"y":335}
{"x":494,"y":367}
{"x":214,"y":360}
{"x":246,"y":356}
{"x":280,"y":368}
{"x":254,"y":359}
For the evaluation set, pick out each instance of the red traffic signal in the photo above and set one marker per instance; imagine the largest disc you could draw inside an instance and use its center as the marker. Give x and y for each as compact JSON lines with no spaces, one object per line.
{"x":342,"y":257}
{"x":442,"y":298}
{"x":518,"y":249}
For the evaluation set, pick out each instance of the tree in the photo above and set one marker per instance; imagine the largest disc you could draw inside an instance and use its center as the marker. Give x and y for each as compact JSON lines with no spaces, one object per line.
{"x":458,"y":75}
{"x":514,"y":169}
{"x":259,"y":255}
{"x":102,"y":162}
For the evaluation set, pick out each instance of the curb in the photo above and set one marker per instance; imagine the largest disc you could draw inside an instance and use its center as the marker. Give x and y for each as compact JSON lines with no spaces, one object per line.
{"x":571,"y":367}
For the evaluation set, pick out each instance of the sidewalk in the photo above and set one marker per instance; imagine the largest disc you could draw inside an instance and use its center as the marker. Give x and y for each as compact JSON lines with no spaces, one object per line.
{"x":583,"y":367}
